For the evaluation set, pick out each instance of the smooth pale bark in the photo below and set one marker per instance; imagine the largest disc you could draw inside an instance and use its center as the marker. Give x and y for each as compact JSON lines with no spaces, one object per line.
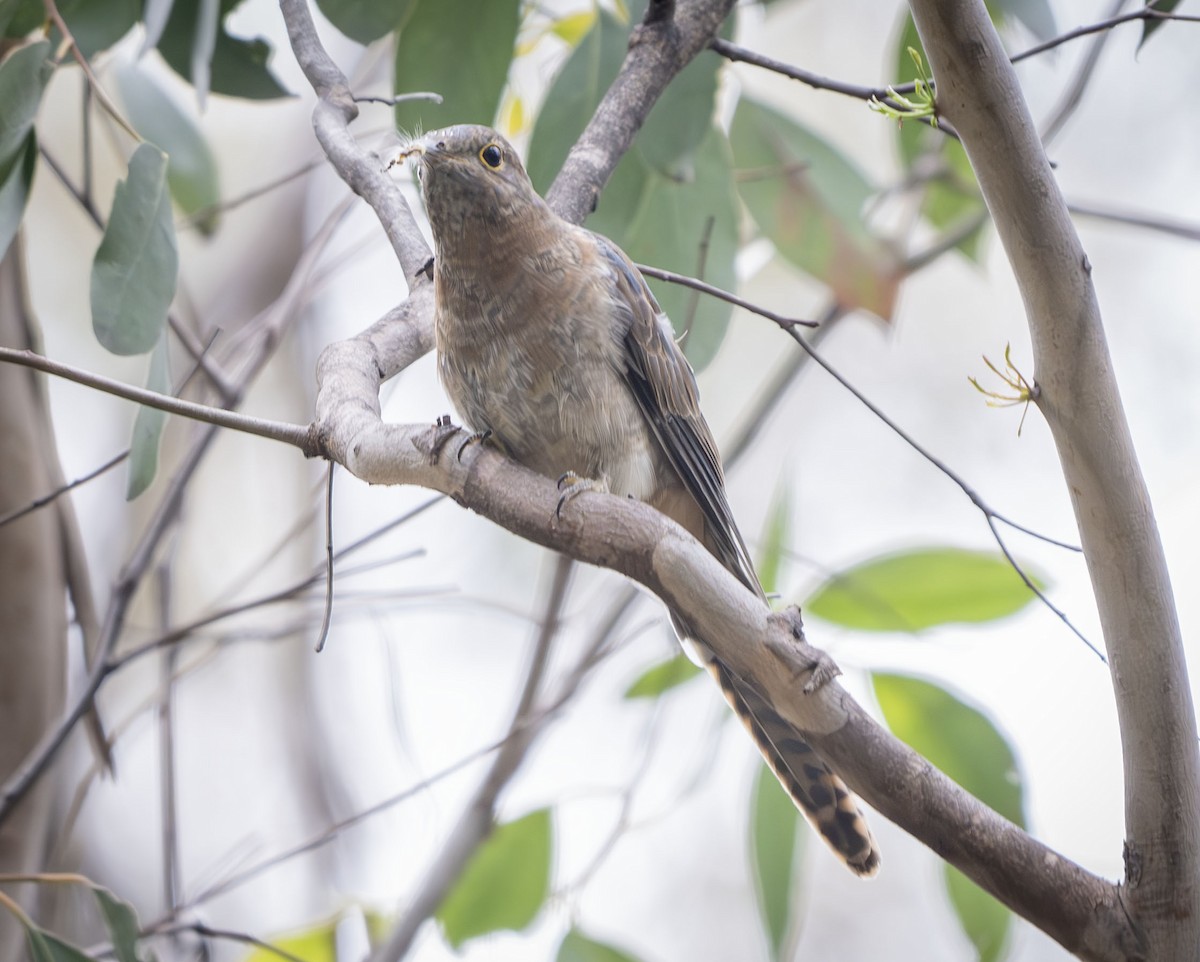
{"x":977,"y":90}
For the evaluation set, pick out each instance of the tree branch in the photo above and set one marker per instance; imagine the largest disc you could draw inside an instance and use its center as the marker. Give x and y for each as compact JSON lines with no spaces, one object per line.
{"x":978,"y":90}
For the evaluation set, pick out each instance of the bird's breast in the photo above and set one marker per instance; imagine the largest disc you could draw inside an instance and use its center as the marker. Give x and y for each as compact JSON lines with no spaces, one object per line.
{"x":533,"y":358}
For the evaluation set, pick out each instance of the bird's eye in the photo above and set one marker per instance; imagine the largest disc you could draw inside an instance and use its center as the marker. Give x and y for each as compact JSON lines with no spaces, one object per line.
{"x":492,"y":156}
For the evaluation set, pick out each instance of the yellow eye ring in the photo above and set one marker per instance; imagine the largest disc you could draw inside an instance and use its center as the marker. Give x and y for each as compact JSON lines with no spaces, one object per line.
{"x":492,"y":156}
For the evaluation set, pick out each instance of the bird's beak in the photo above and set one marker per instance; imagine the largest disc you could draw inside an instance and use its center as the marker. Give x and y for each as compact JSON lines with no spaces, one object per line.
{"x":415,"y":149}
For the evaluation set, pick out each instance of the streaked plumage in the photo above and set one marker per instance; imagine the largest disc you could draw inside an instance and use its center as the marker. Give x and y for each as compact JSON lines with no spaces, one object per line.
{"x":549,"y":338}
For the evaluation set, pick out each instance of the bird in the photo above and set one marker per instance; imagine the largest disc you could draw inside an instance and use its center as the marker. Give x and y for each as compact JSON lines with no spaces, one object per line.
{"x":551,"y":345}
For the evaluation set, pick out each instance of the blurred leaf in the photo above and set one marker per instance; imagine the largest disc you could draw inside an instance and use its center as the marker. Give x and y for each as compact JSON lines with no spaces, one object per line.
{"x":577,"y":947}
{"x":147,"y":428}
{"x":46,"y":947}
{"x":1150,"y":26}
{"x":663,"y":677}
{"x":964,"y":744}
{"x":574,"y":27}
{"x":774,"y":839}
{"x":958,"y":739}
{"x":14,"y":191}
{"x":919,"y":589}
{"x":986,"y":922}
{"x":505,"y":883}
{"x":952,"y":196}
{"x":237,"y":68}
{"x":23,"y":78}
{"x":774,"y":540}
{"x":98,"y":24}
{"x":460,"y":49}
{"x":119,"y":916}
{"x":1036,"y":15}
{"x":365,"y":20}
{"x":573,"y":97}
{"x":191,"y":168}
{"x":664,"y":221}
{"x":133,"y":275}
{"x":808,"y":199}
{"x":683,"y":116}
{"x":318,"y":944}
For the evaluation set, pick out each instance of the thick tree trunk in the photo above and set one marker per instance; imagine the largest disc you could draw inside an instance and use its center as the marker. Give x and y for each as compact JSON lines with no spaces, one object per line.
{"x":33,"y":597}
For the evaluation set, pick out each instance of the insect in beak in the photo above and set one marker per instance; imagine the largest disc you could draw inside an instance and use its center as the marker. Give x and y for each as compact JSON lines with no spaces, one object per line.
{"x":415,"y":149}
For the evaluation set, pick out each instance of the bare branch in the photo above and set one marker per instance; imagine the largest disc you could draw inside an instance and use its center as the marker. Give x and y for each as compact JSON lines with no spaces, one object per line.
{"x":978,"y":89}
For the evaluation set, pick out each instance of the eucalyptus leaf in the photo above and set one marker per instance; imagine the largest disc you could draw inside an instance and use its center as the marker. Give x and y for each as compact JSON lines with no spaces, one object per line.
{"x":774,"y":841}
{"x":962,"y":742}
{"x":23,"y":78}
{"x":134,"y":271}
{"x":14,"y":191}
{"x":505,"y":883}
{"x":915,"y":590}
{"x":318,"y":944}
{"x":236,"y":67}
{"x":985,"y":921}
{"x":663,"y":677}
{"x":97,"y":25}
{"x":366,"y":20}
{"x":1150,"y":26}
{"x":952,"y":195}
{"x":774,"y":540}
{"x":460,"y":49}
{"x":119,"y":916}
{"x":577,"y":947}
{"x":147,"y":428}
{"x":191,"y":168}
{"x":808,"y":199}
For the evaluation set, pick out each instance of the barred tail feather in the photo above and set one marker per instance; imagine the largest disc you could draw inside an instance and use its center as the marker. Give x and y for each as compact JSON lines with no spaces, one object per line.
{"x":823,"y":797}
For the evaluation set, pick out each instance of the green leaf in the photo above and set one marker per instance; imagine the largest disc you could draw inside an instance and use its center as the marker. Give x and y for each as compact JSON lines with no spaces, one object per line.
{"x":958,"y":739}
{"x":47,"y":947}
{"x":573,"y":97}
{"x":808,"y":199}
{"x":23,"y":78}
{"x":133,"y":275}
{"x":1036,"y":15}
{"x":919,"y":589}
{"x":773,"y":839}
{"x":318,"y":944}
{"x":236,"y":67}
{"x":774,"y":540}
{"x":577,"y":947}
{"x":365,"y":20}
{"x":97,"y":26}
{"x":19,"y":18}
{"x":120,"y":920}
{"x":14,"y":192}
{"x":191,"y":168}
{"x":148,"y":426}
{"x":663,"y":677}
{"x":1150,"y":26}
{"x":952,"y":195}
{"x":460,"y":49}
{"x":986,"y":922}
{"x":663,"y":221}
{"x":963,"y":743}
{"x":505,"y":883}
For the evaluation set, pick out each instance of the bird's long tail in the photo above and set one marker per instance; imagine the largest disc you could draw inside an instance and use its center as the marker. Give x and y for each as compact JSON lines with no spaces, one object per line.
{"x":823,"y":797}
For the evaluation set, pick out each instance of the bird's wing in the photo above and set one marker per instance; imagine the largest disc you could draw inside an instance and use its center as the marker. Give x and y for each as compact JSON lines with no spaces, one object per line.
{"x":665,"y":388}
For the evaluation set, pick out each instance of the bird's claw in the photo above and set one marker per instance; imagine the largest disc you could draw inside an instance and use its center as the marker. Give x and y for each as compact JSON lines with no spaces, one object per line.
{"x":441,"y":432}
{"x":477,"y":438}
{"x":571,"y":485}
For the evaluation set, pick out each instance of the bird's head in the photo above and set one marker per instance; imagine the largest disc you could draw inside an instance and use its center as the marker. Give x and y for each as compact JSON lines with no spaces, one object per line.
{"x":473,"y":180}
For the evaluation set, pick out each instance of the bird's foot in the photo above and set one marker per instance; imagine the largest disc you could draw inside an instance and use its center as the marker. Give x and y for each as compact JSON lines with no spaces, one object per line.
{"x":477,"y":438}
{"x":800,"y":657}
{"x":571,"y":485}
{"x":441,"y":432}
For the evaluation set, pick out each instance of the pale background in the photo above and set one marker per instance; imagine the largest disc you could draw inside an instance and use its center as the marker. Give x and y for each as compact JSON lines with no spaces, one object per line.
{"x":275,"y":742}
